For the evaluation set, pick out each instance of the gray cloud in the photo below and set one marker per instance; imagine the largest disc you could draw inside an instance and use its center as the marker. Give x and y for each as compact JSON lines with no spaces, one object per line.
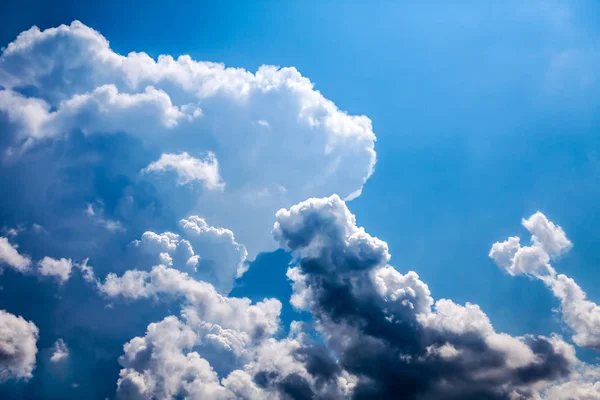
{"x":381,"y":325}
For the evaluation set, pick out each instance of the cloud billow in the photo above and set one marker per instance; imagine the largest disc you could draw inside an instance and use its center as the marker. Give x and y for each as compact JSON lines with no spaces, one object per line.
{"x":385,"y":328}
{"x":271,"y":138}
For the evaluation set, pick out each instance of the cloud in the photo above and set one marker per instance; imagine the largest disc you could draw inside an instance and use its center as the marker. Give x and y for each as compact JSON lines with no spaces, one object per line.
{"x":278,"y":139}
{"x":549,"y":241}
{"x":60,"y":269}
{"x":385,"y":328}
{"x":190,"y":169}
{"x":256,"y":319}
{"x":583,"y":384}
{"x":161,"y":365}
{"x":169,"y":362}
{"x":9,"y":255}
{"x":60,"y":351}
{"x":205,"y":252}
{"x":103,"y":110}
{"x":380,"y":332}
{"x":18,"y":348}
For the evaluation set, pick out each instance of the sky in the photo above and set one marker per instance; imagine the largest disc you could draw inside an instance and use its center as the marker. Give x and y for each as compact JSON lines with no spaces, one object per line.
{"x":298,"y":200}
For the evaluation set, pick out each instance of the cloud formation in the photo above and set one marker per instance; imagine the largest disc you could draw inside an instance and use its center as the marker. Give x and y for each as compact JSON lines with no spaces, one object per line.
{"x":278,"y":139}
{"x":60,"y":351}
{"x":205,"y":252}
{"x":381,"y":333}
{"x":385,"y":327}
{"x":18,"y":347}
{"x":59,"y":269}
{"x":190,"y":169}
{"x":548,"y":242}
{"x":9,"y":255}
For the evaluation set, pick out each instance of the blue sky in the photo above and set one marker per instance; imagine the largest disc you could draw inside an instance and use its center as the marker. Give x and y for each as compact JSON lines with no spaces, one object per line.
{"x":483,"y":114}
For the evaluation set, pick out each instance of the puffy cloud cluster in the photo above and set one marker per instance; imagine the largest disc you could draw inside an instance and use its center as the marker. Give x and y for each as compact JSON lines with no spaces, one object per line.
{"x":257,"y":320}
{"x":277,"y":139}
{"x":549,"y":241}
{"x":384,"y":328}
{"x":208,"y":253}
{"x":18,"y":347}
{"x":381,"y":334}
{"x":60,"y":269}
{"x":170,"y":361}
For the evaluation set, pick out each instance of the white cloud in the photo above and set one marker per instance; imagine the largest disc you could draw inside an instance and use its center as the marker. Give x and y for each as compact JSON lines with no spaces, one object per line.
{"x":9,"y":255}
{"x":58,"y":268}
{"x":103,"y":110}
{"x":18,"y":347}
{"x":205,"y":252}
{"x":190,"y":169}
{"x":271,"y":128}
{"x":582,"y":384}
{"x":217,"y":244}
{"x":549,"y":241}
{"x":60,"y":351}
{"x":545,"y":234}
{"x":259,"y":319}
{"x":162,"y":364}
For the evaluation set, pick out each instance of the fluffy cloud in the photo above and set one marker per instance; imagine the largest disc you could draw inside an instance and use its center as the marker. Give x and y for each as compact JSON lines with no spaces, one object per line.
{"x":59,"y":269}
{"x":60,"y":351}
{"x":278,"y":139}
{"x":257,"y":320}
{"x":190,"y":169}
{"x":205,"y":252}
{"x":103,"y":110}
{"x":381,"y":332}
{"x":385,"y":328}
{"x":155,"y":366}
{"x":583,"y":384}
{"x":9,"y":255}
{"x":549,"y":241}
{"x":169,"y":362}
{"x":18,"y":347}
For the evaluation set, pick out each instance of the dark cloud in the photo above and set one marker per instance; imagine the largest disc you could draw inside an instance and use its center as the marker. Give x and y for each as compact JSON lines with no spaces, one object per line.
{"x":381,"y":327}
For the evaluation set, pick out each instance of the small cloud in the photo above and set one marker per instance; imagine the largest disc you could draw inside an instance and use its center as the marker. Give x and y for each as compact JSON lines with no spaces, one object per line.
{"x":264,"y":123}
{"x":9,"y":255}
{"x":37,"y":228}
{"x":97,"y":215}
{"x":60,"y":269}
{"x":60,"y":352}
{"x":190,"y":169}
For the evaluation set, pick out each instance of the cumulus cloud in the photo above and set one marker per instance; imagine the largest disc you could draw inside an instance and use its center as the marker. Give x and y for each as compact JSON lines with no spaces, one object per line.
{"x":57,"y":268}
{"x":162,"y":365}
{"x":380,"y":332}
{"x":256,"y":319}
{"x":278,"y":139}
{"x":9,"y":255}
{"x":385,"y":328}
{"x":190,"y":169}
{"x":549,"y":241}
{"x":60,"y":351}
{"x":169,"y":362}
{"x":205,"y":252}
{"x":18,"y":347}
